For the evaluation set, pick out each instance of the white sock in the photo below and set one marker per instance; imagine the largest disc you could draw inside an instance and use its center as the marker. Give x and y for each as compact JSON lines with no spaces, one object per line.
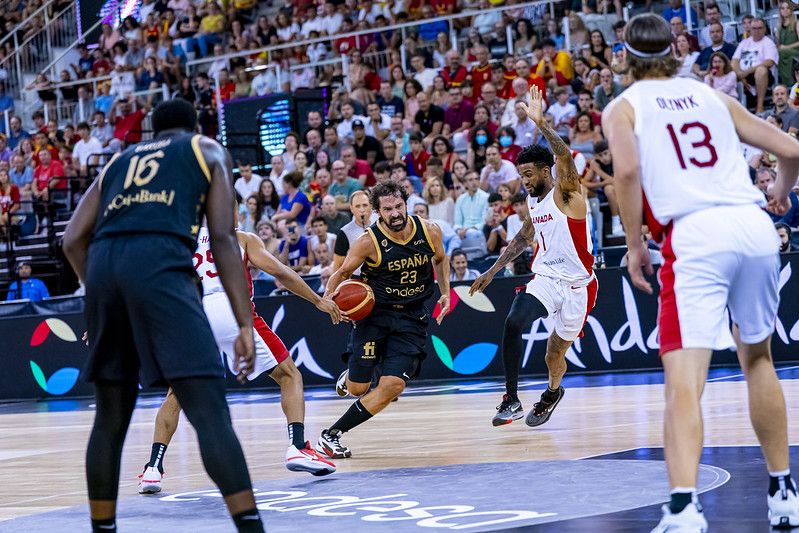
{"x":616,"y":219}
{"x":781,"y":473}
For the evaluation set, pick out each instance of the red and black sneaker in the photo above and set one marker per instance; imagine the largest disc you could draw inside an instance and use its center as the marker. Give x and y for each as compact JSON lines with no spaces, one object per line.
{"x":542,"y":410}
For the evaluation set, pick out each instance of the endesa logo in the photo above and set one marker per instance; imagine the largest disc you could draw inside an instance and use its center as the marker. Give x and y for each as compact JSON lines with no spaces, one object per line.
{"x":62,"y":380}
{"x":475,"y":357}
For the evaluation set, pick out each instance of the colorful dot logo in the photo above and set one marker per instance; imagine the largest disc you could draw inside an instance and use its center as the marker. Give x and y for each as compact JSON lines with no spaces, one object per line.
{"x":62,"y":380}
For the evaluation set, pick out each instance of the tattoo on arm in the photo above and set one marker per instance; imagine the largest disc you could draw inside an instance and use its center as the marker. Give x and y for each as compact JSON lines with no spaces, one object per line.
{"x":516,"y":246}
{"x":559,"y":147}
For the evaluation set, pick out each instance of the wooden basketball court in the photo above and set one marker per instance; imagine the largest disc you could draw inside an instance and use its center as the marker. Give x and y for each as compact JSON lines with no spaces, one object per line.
{"x":616,"y":420}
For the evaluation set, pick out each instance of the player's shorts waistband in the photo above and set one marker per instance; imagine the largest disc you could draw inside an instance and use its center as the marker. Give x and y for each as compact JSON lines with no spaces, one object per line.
{"x":577,"y":283}
{"x":399,"y":307}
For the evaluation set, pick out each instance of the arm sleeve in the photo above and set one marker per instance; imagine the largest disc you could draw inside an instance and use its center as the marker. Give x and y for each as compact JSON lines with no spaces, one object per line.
{"x":342,"y":244}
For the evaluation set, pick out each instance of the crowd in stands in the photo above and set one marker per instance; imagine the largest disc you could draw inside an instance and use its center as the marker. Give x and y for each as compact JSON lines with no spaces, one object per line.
{"x":443,"y":119}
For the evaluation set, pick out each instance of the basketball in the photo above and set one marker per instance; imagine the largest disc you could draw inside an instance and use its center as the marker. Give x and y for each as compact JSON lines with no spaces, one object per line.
{"x":355,"y":298}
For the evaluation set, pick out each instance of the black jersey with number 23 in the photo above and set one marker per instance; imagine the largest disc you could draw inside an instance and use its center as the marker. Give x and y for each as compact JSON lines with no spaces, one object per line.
{"x":157,"y":186}
{"x":403,"y":272}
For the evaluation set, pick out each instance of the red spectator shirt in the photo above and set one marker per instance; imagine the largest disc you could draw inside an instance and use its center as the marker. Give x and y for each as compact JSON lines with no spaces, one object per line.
{"x":53,"y":153}
{"x":362,"y":167}
{"x":344,"y":45}
{"x":372,"y":81}
{"x":455,"y":117}
{"x":509,"y":154}
{"x":44,"y":176}
{"x":416,"y":165}
{"x":534,"y":79}
{"x":226,"y":91}
{"x":128,"y":128}
{"x":480,"y":76}
{"x":454,"y":79}
{"x":9,"y":198}
{"x":506,"y":91}
{"x":442,"y":7}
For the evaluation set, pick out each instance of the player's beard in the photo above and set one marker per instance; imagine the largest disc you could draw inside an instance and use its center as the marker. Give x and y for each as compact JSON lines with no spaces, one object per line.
{"x":397,"y":223}
{"x":537,"y":189}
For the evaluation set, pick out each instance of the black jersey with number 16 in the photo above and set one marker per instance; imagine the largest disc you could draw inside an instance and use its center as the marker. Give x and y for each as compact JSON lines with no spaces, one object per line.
{"x":157,"y":186}
{"x":403,"y":272}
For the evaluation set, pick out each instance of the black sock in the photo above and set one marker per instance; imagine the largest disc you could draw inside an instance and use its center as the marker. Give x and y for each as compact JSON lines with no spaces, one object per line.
{"x":780,"y":483}
{"x":249,"y":521}
{"x":355,"y":416}
{"x":679,"y":501}
{"x":297,"y":435}
{"x":550,"y":395}
{"x":157,"y":456}
{"x":104,"y":526}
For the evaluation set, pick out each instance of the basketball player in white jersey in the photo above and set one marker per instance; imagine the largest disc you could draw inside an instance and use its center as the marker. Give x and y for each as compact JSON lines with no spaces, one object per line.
{"x":679,"y":142}
{"x":563,"y":285}
{"x":271,"y":355}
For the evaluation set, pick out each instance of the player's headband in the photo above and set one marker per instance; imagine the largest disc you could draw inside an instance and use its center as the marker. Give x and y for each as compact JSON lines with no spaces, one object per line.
{"x":647,"y":55}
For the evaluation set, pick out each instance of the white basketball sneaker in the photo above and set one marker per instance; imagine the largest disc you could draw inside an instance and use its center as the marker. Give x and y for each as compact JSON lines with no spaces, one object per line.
{"x":341,"y":384}
{"x":308,"y":460}
{"x":689,"y":520}
{"x":783,"y":508}
{"x":150,"y":480}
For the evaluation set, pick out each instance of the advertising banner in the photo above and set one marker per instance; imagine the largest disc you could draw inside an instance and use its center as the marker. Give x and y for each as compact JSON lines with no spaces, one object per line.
{"x":42,"y":355}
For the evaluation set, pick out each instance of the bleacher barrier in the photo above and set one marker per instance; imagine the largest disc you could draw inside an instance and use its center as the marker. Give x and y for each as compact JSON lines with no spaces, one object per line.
{"x":43,"y":351}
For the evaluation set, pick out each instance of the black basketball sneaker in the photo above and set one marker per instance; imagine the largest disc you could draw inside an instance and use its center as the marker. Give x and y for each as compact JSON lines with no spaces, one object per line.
{"x":543,"y":409}
{"x":509,"y":410}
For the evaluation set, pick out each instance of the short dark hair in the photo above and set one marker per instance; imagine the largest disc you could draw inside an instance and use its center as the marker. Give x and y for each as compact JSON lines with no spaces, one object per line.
{"x":537,"y":155}
{"x":177,"y":113}
{"x":517,"y":198}
{"x":415,"y":137}
{"x":382,"y":166}
{"x":600,"y":146}
{"x":494,"y":197}
{"x":548,"y":42}
{"x":84,"y":126}
{"x":318,"y":219}
{"x":382,"y":190}
{"x":456,"y":252}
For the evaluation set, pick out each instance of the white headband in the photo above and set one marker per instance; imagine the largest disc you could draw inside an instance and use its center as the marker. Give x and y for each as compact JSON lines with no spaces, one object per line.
{"x":647,"y":55}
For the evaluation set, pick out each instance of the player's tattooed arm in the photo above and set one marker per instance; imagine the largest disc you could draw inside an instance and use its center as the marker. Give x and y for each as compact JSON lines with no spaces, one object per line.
{"x":569,"y":179}
{"x":517,"y":245}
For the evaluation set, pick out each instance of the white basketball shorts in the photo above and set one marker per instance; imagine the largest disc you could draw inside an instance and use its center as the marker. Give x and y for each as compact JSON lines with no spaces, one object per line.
{"x":723,"y":257}
{"x":269,"y":349}
{"x":567,"y":303}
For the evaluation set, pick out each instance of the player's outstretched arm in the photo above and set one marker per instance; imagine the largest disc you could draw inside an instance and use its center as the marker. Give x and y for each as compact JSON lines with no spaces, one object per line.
{"x":362,"y":249}
{"x":441,"y":267}
{"x":568,"y":178}
{"x":757,"y":132}
{"x":78,"y":234}
{"x":617,"y":122}
{"x":258,"y":255}
{"x":515,"y":247}
{"x":225,"y":249}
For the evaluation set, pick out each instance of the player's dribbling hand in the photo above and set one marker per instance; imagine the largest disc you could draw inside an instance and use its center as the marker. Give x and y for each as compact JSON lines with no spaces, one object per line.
{"x":536,"y":108}
{"x":778,"y":206}
{"x":482,"y":281}
{"x":443,"y":303}
{"x":245,"y":354}
{"x":638,"y":264}
{"x":327,"y":305}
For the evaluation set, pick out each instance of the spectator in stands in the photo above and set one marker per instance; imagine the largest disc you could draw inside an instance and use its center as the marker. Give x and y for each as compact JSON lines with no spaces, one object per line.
{"x":754,"y":61}
{"x":416,"y":160}
{"x":677,"y":9}
{"x":494,"y":104}
{"x":9,"y":204}
{"x":316,"y":123}
{"x":515,"y":221}
{"x":251,"y":215}
{"x":377,"y":125}
{"x":439,"y":202}
{"x":454,"y":73}
{"x":586,"y":77}
{"x":335,"y":219}
{"x":562,"y":110}
{"x":784,"y":232}
{"x":26,"y":287}
{"x":583,"y":135}
{"x":521,"y":93}
{"x":789,"y":115}
{"x":357,"y":168}
{"x":47,"y":175}
{"x":268,"y":199}
{"x":266,"y":231}
{"x":277,"y":173}
{"x":765,"y":177}
{"x":556,"y":66}
{"x":494,"y":228}
{"x":366,"y":147}
{"x":248,"y":183}
{"x":127,"y":122}
{"x":413,"y":197}
{"x":295,"y":250}
{"x":498,"y":171}
{"x":320,"y":233}
{"x":323,"y":259}
{"x":458,"y":119}
{"x":720,"y":75}
{"x":21,"y":174}
{"x":508,"y":149}
{"x":460,"y":270}
{"x":526,"y":130}
{"x":16,"y":133}
{"x":423,"y":75}
{"x":313,"y":141}
{"x":712,"y":17}
{"x":443,"y":150}
{"x":86,"y":151}
{"x":301,"y":166}
{"x":291,"y":145}
{"x":343,"y":185}
{"x":211,"y":27}
{"x":686,"y":57}
{"x":332,"y":145}
{"x":102,"y":130}
{"x":5,"y":151}
{"x":429,"y":120}
{"x":608,"y":90}
{"x":787,"y":40}
{"x":294,"y":205}
{"x":470,"y":211}
{"x":717,"y":44}
{"x":678,"y":29}
{"x":481,"y":71}
{"x":390,"y":104}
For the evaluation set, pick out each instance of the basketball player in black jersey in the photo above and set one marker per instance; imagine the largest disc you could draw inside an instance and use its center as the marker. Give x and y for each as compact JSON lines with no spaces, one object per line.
{"x":399,"y":255}
{"x":131,"y":242}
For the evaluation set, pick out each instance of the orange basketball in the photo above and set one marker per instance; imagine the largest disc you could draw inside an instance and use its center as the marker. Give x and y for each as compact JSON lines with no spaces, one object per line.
{"x":355,"y":298}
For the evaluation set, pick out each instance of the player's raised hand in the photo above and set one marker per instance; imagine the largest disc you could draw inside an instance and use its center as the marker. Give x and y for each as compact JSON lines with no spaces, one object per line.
{"x":482,"y":281}
{"x":443,"y":303}
{"x":245,"y":354}
{"x":778,"y":206}
{"x":638,"y":264}
{"x":327,"y":305}
{"x":535,"y":110}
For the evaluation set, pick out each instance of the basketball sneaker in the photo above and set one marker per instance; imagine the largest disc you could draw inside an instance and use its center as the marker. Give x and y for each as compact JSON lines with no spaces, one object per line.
{"x":689,"y":520}
{"x":341,"y":384}
{"x":308,"y":460}
{"x":150,"y":480}
{"x":783,"y":508}
{"x":508,"y":411}
{"x":543,"y":409}
{"x":330,"y":445}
